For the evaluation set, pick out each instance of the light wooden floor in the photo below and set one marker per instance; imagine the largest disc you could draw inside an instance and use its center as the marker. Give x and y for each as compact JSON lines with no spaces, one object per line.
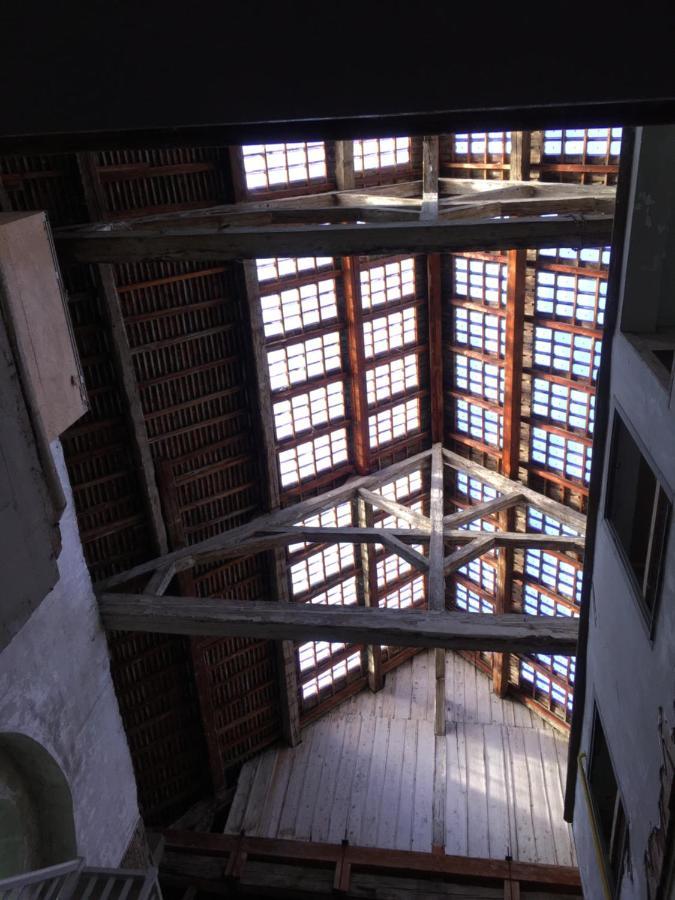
{"x":373,"y":771}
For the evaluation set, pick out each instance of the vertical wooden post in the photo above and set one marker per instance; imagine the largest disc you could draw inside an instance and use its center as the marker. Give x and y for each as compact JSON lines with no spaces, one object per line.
{"x":357,"y":368}
{"x":344,"y":165}
{"x":520,"y":155}
{"x":285,"y":650}
{"x":513,"y":377}
{"x":429,"y":209}
{"x":436,"y":577}
{"x":368,"y":590}
{"x":511,"y":890}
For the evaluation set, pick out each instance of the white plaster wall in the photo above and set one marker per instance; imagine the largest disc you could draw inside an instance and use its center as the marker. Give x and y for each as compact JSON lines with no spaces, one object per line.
{"x":55,"y":687}
{"x":630,"y":677}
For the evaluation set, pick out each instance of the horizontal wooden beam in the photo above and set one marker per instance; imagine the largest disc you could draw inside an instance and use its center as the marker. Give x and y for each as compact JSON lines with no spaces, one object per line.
{"x":481,"y":510}
{"x":334,"y":240}
{"x":405,"y":863}
{"x":347,"y":624}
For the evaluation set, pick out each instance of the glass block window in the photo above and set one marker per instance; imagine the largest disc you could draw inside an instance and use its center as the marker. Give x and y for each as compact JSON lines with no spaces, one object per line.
{"x":564,"y":455}
{"x":481,"y":573}
{"x":381,"y":153}
{"x":480,"y":143}
{"x":286,"y":267}
{"x":276,"y":165}
{"x":541,"y":683}
{"x":470,"y":601}
{"x":305,"y":412}
{"x":562,"y":666}
{"x":299,"y":308}
{"x":388,"y":283}
{"x":401,"y":487}
{"x":476,"y":491}
{"x":311,"y":657}
{"x":590,"y":256}
{"x":576,"y":142}
{"x":343,"y":594}
{"x":554,"y":573}
{"x":563,"y":405}
{"x":539,"y":521}
{"x":484,"y":425}
{"x":312,"y":457}
{"x":392,"y":568}
{"x":393,"y":423}
{"x":339,"y":516}
{"x":480,"y":280}
{"x":574,"y":356}
{"x":479,"y":331}
{"x":319,"y":567}
{"x":387,"y":333}
{"x":408,"y":595}
{"x":478,"y":377}
{"x":305,"y":360}
{"x":390,"y":379}
{"x":577,"y":298}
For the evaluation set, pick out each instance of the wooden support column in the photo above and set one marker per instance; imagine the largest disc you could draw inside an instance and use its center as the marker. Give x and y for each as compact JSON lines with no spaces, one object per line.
{"x":520,"y":156}
{"x":511,"y":890}
{"x":368,"y":589}
{"x":513,"y":377}
{"x":344,"y":165}
{"x":429,"y":208}
{"x":357,"y":367}
{"x":436,"y":579}
{"x":285,"y":650}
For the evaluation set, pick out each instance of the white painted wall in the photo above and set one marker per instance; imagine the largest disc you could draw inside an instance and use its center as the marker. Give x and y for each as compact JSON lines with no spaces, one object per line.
{"x":55,"y":687}
{"x":629,"y":677}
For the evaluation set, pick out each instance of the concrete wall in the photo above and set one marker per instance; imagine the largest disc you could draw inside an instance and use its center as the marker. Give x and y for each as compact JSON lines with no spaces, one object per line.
{"x":630,"y":677}
{"x":55,"y":687}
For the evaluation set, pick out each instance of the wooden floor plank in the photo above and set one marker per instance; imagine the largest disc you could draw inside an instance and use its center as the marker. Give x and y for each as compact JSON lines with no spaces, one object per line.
{"x":424,"y":786}
{"x":404,"y":822}
{"x":390,"y":809}
{"x":495,"y":780}
{"x":360,"y":783}
{"x":476,"y":788}
{"x":456,"y":803}
{"x":339,"y":813}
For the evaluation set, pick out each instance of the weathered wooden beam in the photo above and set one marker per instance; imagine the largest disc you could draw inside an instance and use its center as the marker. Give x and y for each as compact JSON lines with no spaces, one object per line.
{"x":558,"y":511}
{"x":411,"y":556}
{"x":160,"y":580}
{"x":465,"y":554}
{"x":344,"y":165}
{"x":213,"y":547}
{"x":520,"y":156}
{"x":348,"y":624}
{"x":369,"y":596}
{"x":481,"y":510}
{"x":415,"y":518}
{"x":357,"y":364}
{"x":435,"y":325}
{"x":436,"y":578}
{"x":429,"y":208}
{"x":334,"y":240}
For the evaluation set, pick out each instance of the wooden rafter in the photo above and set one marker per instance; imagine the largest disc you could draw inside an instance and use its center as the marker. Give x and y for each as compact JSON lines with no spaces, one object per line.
{"x":347,"y":624}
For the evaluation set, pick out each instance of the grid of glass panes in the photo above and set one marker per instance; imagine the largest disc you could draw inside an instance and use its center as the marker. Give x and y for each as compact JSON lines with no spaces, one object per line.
{"x":479,"y":280}
{"x":547,"y":689}
{"x":301,"y":328}
{"x":570,"y":295}
{"x":474,"y":584}
{"x":479,"y":423}
{"x":580,"y":144}
{"x":482,"y":144}
{"x":273,"y":166}
{"x":391,"y":371}
{"x":381,"y":153}
{"x":324,"y":575}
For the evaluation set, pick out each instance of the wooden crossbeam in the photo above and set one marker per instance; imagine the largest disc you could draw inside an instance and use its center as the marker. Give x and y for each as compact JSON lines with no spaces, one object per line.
{"x":563,"y":514}
{"x":481,"y":510}
{"x":396,"y":509}
{"x":348,"y":624}
{"x":407,"y":553}
{"x":466,"y":553}
{"x":212,"y":243}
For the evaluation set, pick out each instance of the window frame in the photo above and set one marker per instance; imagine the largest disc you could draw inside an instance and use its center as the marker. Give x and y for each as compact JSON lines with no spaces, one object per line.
{"x":614,"y":880}
{"x":655,"y":558}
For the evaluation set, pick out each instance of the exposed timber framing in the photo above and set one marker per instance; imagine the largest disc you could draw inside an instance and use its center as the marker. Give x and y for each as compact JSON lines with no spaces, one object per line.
{"x":285,"y":650}
{"x":429,"y":209}
{"x":278,"y":528}
{"x":233,"y":243}
{"x":233,"y":852}
{"x":356,"y":357}
{"x":349,"y":624}
{"x":436,"y":578}
{"x":368,"y":588}
{"x":344,"y":165}
{"x":510,"y":462}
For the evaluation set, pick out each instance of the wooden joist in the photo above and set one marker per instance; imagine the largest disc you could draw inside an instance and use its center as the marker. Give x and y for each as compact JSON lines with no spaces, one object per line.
{"x":351,"y":624}
{"x":214,"y":243}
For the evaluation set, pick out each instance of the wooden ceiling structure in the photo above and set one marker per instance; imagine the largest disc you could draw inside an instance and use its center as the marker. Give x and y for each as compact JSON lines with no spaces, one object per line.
{"x":222,"y":391}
